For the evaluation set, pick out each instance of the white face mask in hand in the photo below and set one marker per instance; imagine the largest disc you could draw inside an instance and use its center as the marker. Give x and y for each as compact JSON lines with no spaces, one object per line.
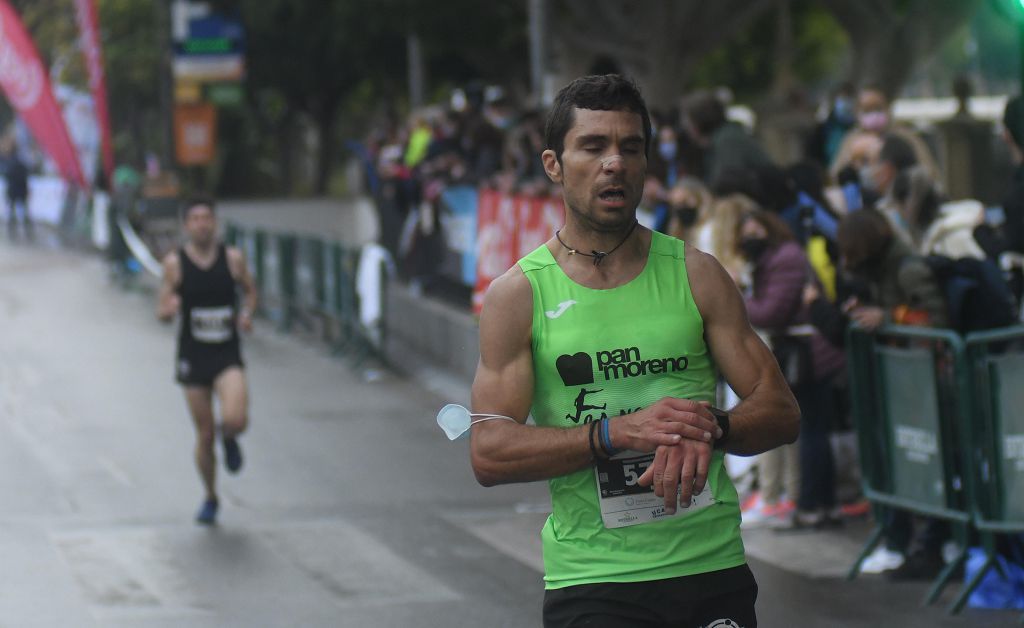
{"x":456,"y":420}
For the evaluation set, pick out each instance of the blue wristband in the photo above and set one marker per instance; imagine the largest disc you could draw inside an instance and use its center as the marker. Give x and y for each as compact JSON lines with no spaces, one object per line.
{"x":606,"y":439}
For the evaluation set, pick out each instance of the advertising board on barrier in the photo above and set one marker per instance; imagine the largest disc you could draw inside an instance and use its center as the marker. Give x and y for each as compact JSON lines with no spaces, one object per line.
{"x":509,"y":227}
{"x":459,"y":220}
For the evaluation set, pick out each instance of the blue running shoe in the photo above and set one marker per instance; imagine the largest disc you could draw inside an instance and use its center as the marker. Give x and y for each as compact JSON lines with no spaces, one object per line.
{"x":232,"y":455}
{"x":207,"y":514}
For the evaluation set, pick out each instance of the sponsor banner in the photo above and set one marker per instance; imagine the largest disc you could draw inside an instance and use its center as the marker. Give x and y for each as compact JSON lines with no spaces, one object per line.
{"x":195,"y":134}
{"x":25,"y":83}
{"x":459,"y":219}
{"x":509,"y":227}
{"x":82,"y":123}
{"x":543,"y":216}
{"x":88,"y":24}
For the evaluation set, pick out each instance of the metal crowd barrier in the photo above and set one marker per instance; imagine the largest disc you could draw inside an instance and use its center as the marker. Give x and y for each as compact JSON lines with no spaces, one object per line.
{"x":309,"y":284}
{"x":941,"y":434}
{"x":997,"y":441}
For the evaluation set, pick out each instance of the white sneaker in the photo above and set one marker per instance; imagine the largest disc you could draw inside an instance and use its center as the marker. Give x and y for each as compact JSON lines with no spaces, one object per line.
{"x":882,"y":559}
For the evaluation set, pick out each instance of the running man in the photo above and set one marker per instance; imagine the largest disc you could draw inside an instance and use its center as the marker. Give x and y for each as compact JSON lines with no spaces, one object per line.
{"x":201,"y":280}
{"x":653,"y":323}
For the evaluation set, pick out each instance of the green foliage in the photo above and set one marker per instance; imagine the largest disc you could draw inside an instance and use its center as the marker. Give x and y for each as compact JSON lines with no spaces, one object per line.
{"x":747,"y":63}
{"x":55,"y":32}
{"x":128,"y":29}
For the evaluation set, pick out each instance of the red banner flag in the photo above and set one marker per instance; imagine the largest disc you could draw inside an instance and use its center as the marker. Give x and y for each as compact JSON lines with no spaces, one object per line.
{"x":27,"y":87}
{"x":88,"y":24}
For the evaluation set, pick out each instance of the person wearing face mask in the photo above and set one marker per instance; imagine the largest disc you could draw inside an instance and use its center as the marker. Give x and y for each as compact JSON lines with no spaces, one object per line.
{"x":824,"y":143}
{"x":874,"y":118}
{"x":812,"y":365}
{"x":662,"y":175}
{"x":877,"y":177}
{"x":690,"y":210}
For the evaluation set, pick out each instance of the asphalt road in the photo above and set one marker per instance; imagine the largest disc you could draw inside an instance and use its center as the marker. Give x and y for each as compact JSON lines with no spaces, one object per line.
{"x":352,"y":509}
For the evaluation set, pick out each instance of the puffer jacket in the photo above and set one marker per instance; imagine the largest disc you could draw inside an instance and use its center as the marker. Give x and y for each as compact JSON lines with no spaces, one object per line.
{"x":776,"y":303}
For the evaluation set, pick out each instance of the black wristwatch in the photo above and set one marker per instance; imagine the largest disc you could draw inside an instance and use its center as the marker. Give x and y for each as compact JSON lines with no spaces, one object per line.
{"x":722,"y":417}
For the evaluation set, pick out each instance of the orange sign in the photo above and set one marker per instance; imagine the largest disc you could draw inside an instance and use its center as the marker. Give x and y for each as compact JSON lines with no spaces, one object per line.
{"x":195,"y":134}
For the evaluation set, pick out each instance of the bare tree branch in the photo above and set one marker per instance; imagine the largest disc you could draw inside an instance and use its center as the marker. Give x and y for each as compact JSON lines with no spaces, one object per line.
{"x":596,"y":19}
{"x":861,"y":15}
{"x":721,"y":20}
{"x":624,"y":52}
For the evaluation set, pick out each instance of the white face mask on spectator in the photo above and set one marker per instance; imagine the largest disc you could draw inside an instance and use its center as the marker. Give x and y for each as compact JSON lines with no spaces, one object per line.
{"x":874,"y":121}
{"x":869,"y":178}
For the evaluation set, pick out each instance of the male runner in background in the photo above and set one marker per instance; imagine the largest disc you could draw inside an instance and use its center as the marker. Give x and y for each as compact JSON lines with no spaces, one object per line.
{"x":201,"y":280}
{"x":652,"y":322}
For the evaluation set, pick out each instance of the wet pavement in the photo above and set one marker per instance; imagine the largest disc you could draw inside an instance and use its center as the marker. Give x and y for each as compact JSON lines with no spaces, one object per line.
{"x":352,"y":508}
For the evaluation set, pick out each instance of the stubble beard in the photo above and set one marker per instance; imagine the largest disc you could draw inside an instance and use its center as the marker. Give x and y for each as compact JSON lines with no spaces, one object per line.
{"x":605,"y":224}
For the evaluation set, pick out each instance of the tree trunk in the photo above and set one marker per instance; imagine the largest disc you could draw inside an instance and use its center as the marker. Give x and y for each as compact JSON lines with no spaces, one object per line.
{"x":286,"y":154}
{"x":889,"y":37}
{"x":325,"y":122}
{"x":785,"y":77}
{"x":886,"y":63}
{"x":657,"y":42}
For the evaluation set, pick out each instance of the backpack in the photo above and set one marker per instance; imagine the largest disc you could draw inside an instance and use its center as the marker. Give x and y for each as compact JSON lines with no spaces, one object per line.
{"x":977,"y":295}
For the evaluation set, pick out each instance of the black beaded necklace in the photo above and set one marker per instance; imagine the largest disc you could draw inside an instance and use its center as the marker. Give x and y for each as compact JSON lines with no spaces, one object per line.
{"x":597,"y":255}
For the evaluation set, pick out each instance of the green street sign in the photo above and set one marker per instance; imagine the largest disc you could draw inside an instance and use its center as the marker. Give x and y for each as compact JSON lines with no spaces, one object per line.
{"x":208,"y":46}
{"x":225,"y":94}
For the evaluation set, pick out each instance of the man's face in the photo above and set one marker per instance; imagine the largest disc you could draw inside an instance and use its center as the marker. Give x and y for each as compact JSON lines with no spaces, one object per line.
{"x":200,"y":224}
{"x":602,"y":168}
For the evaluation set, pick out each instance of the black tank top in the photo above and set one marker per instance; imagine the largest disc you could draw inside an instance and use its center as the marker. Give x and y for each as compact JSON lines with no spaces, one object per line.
{"x":209,"y":304}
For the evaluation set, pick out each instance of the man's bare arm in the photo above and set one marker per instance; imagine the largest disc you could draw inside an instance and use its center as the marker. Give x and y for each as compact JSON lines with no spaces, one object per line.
{"x":505,"y":451}
{"x":168,"y":302}
{"x":240,"y":271}
{"x":768,"y":415}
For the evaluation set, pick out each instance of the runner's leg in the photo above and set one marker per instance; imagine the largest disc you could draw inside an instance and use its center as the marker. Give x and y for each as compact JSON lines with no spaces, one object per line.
{"x":200,"y":405}
{"x":233,"y":394}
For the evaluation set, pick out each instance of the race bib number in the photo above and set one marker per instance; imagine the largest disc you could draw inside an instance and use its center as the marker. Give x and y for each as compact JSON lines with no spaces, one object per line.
{"x":212,"y":324}
{"x":625,"y":503}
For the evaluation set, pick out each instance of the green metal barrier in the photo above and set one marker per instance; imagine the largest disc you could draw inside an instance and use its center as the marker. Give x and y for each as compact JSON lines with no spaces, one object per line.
{"x":286,"y":277}
{"x":997,"y":442}
{"x":910,"y":391}
{"x":303,"y":279}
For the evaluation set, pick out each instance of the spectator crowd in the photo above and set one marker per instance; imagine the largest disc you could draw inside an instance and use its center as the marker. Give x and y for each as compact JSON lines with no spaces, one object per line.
{"x":854,"y":233}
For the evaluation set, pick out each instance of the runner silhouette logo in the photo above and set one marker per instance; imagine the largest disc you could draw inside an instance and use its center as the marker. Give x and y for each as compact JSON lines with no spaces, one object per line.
{"x":576,"y":369}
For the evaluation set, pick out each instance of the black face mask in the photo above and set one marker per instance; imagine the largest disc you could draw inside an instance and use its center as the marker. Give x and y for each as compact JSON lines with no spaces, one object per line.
{"x":753,"y":248}
{"x":687,"y":215}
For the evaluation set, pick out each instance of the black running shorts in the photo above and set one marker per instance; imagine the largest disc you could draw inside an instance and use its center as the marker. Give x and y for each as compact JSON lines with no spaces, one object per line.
{"x":718,"y":599}
{"x":203,"y":370}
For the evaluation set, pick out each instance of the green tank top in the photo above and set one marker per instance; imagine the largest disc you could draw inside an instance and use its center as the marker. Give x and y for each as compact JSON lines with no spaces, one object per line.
{"x":603,"y":353}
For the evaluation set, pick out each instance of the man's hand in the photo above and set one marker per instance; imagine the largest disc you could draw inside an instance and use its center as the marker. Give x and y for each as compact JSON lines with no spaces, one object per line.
{"x":169,"y":308}
{"x":682,"y":465}
{"x":245,"y":321}
{"x":666,"y":422}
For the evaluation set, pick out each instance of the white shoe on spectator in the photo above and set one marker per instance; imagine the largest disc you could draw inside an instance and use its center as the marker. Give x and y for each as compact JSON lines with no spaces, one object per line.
{"x":882,"y":559}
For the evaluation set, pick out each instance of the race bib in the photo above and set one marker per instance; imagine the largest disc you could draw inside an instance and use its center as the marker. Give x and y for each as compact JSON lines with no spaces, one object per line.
{"x":212,"y":324}
{"x":625,"y":503}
